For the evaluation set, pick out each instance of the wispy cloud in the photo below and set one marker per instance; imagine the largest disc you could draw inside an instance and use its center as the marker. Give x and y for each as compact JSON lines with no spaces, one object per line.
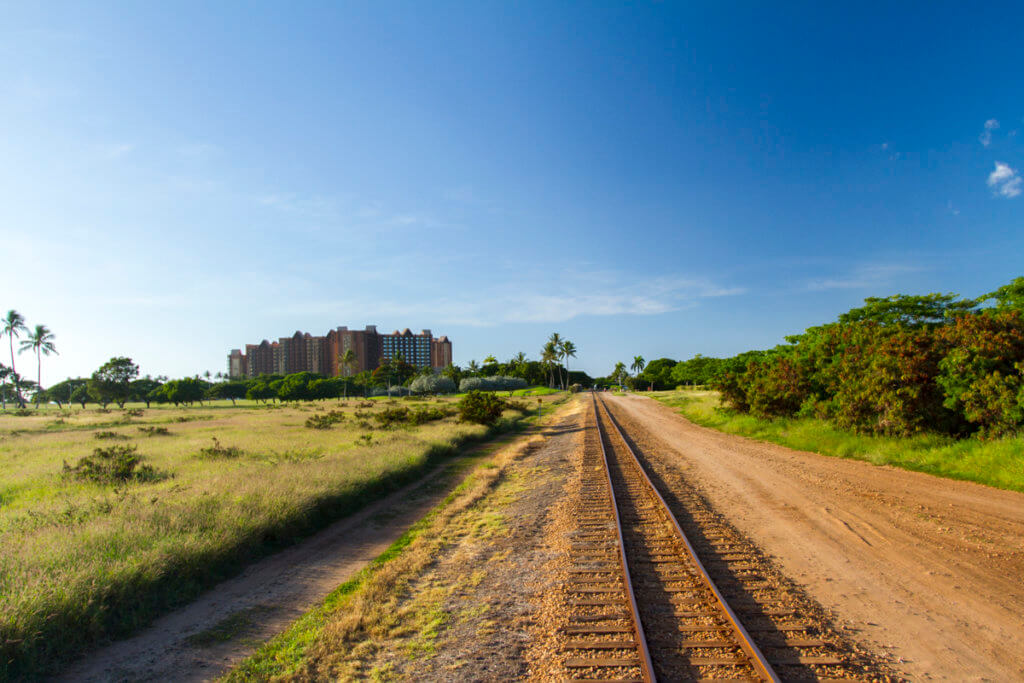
{"x":533,"y":300}
{"x":1005,"y":181}
{"x":986,"y":135}
{"x":864,"y":277}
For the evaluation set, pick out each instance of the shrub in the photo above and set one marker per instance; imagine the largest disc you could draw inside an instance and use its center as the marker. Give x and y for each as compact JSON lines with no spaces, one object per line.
{"x":113,"y":465}
{"x":495,"y":383}
{"x":325,"y":421}
{"x":216,"y":451}
{"x":108,"y":435}
{"x":575,"y":388}
{"x":432,"y":384}
{"x":134,"y":412}
{"x":480,"y":407}
{"x":155,"y":431}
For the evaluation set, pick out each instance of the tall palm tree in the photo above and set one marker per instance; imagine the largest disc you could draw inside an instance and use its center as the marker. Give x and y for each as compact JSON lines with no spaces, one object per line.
{"x":13,"y":325}
{"x":490,"y":360}
{"x":40,"y":341}
{"x":473,"y":367}
{"x":568,"y":351}
{"x":548,"y":356}
{"x":346,"y":361}
{"x":618,"y":372}
{"x":638,"y":364}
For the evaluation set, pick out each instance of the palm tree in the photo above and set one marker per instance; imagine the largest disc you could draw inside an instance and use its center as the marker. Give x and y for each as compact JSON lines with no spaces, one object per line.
{"x":568,"y":351}
{"x":490,"y":360}
{"x":556,"y":341}
{"x":40,"y":341}
{"x":4,"y":373}
{"x":618,"y":372}
{"x":346,"y":361}
{"x":638,"y":364}
{"x":548,"y":355}
{"x":13,"y":325}
{"x":473,"y":367}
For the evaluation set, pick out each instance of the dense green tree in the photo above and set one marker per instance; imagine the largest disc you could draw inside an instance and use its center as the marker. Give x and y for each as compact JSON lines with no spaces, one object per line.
{"x":910,"y":311}
{"x":112,"y":382}
{"x":1009,"y":297}
{"x":141,"y":390}
{"x":658,"y":373}
{"x":260,"y":390}
{"x":232,"y":390}
{"x":80,"y":394}
{"x":63,"y":392}
{"x":187,"y":390}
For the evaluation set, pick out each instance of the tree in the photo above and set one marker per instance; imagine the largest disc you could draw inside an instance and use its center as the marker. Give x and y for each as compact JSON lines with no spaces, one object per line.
{"x":233,"y":390}
{"x":5,"y":372}
{"x":260,"y":391}
{"x":910,"y":311}
{"x":63,"y":392}
{"x":1008,"y":297}
{"x":142,"y":390}
{"x":185,"y":390}
{"x":13,"y":325}
{"x":490,"y":360}
{"x":618,"y":373}
{"x":80,"y":394}
{"x":473,"y":367}
{"x":40,"y":341}
{"x":112,"y":382}
{"x":638,"y":364}
{"x":556,"y":345}
{"x":568,"y":351}
{"x":548,"y":356}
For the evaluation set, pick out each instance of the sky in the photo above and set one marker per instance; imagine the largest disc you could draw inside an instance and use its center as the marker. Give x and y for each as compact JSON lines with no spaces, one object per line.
{"x":662,"y":179}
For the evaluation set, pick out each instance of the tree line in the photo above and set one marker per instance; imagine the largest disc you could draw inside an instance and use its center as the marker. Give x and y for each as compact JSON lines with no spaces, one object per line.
{"x":118,"y":382}
{"x":897,"y":365}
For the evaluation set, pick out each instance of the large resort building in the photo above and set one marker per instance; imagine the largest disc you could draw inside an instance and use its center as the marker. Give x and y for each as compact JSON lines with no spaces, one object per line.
{"x":303,"y":352}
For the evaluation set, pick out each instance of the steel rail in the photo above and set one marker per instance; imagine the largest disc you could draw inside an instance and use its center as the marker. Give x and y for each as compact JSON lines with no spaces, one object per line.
{"x":746,"y":643}
{"x":646,"y":665}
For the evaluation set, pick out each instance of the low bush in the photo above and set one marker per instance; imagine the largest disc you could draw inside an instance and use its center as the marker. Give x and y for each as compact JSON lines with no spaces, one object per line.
{"x":216,"y":451}
{"x":325,"y":421}
{"x":134,"y":412}
{"x":495,"y":383}
{"x":432,"y":384}
{"x":108,"y":435}
{"x":481,"y":407}
{"x":155,"y":431}
{"x":113,"y":465}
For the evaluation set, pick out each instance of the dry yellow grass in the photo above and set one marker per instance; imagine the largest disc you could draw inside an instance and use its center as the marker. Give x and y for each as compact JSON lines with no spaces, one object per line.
{"x":81,"y":561}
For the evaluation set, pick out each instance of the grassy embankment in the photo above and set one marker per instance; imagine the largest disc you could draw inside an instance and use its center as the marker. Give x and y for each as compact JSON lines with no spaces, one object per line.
{"x":337,"y":638}
{"x":998,"y":463}
{"x":82,"y":561}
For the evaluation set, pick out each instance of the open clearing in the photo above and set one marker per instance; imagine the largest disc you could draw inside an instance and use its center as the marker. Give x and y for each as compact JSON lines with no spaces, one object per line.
{"x":84,"y":561}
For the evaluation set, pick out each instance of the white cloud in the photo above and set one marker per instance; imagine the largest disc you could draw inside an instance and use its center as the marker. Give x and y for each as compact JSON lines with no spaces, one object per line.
{"x":1005,"y":181}
{"x":986,"y":135}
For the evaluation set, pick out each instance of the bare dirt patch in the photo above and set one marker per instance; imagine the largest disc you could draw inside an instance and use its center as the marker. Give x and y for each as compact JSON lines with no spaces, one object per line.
{"x":470,"y":614}
{"x":922,"y":569}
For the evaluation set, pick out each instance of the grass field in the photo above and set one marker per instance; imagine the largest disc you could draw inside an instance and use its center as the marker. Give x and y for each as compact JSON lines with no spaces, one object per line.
{"x":82,"y":561}
{"x":998,"y":463}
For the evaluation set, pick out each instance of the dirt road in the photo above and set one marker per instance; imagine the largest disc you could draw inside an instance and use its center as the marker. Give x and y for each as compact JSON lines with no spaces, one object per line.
{"x":195,"y":644}
{"x":927,"y":569}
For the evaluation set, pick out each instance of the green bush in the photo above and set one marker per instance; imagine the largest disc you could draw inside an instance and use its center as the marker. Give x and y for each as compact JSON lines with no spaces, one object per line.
{"x":480,"y":407}
{"x":155,"y":431}
{"x":113,"y":465}
{"x":325,"y":421}
{"x":216,"y":451}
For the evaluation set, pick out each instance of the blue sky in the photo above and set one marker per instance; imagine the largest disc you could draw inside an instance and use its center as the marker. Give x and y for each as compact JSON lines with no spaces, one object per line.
{"x":661,"y":179}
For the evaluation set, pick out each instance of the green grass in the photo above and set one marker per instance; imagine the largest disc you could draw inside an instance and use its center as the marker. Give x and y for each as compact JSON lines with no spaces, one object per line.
{"x":998,"y":463}
{"x":82,"y":562}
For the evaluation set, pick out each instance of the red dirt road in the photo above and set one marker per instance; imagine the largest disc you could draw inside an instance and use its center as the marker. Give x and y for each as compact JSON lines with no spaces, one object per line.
{"x":927,"y":569}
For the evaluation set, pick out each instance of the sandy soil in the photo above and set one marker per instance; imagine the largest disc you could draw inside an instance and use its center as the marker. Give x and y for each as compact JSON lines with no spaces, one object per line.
{"x":274,"y":591}
{"x":479,"y":597}
{"x":927,"y":569}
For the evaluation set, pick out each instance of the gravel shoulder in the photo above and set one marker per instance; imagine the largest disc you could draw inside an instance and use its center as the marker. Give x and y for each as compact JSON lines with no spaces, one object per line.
{"x":926,"y":570}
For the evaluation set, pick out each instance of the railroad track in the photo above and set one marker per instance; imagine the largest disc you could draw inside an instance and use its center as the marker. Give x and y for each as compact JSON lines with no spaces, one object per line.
{"x":642,"y":605}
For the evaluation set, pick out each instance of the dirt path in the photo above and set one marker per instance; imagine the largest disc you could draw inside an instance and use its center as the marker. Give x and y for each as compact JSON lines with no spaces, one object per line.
{"x":927,"y":569}
{"x":267,"y":597}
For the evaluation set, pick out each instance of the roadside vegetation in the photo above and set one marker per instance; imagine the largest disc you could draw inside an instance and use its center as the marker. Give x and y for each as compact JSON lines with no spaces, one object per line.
{"x":995,"y":462}
{"x":103,"y":526}
{"x":898,"y":366}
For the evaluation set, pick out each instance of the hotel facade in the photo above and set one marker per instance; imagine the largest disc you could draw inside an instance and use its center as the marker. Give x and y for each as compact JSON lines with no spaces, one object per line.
{"x":302,"y":352}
